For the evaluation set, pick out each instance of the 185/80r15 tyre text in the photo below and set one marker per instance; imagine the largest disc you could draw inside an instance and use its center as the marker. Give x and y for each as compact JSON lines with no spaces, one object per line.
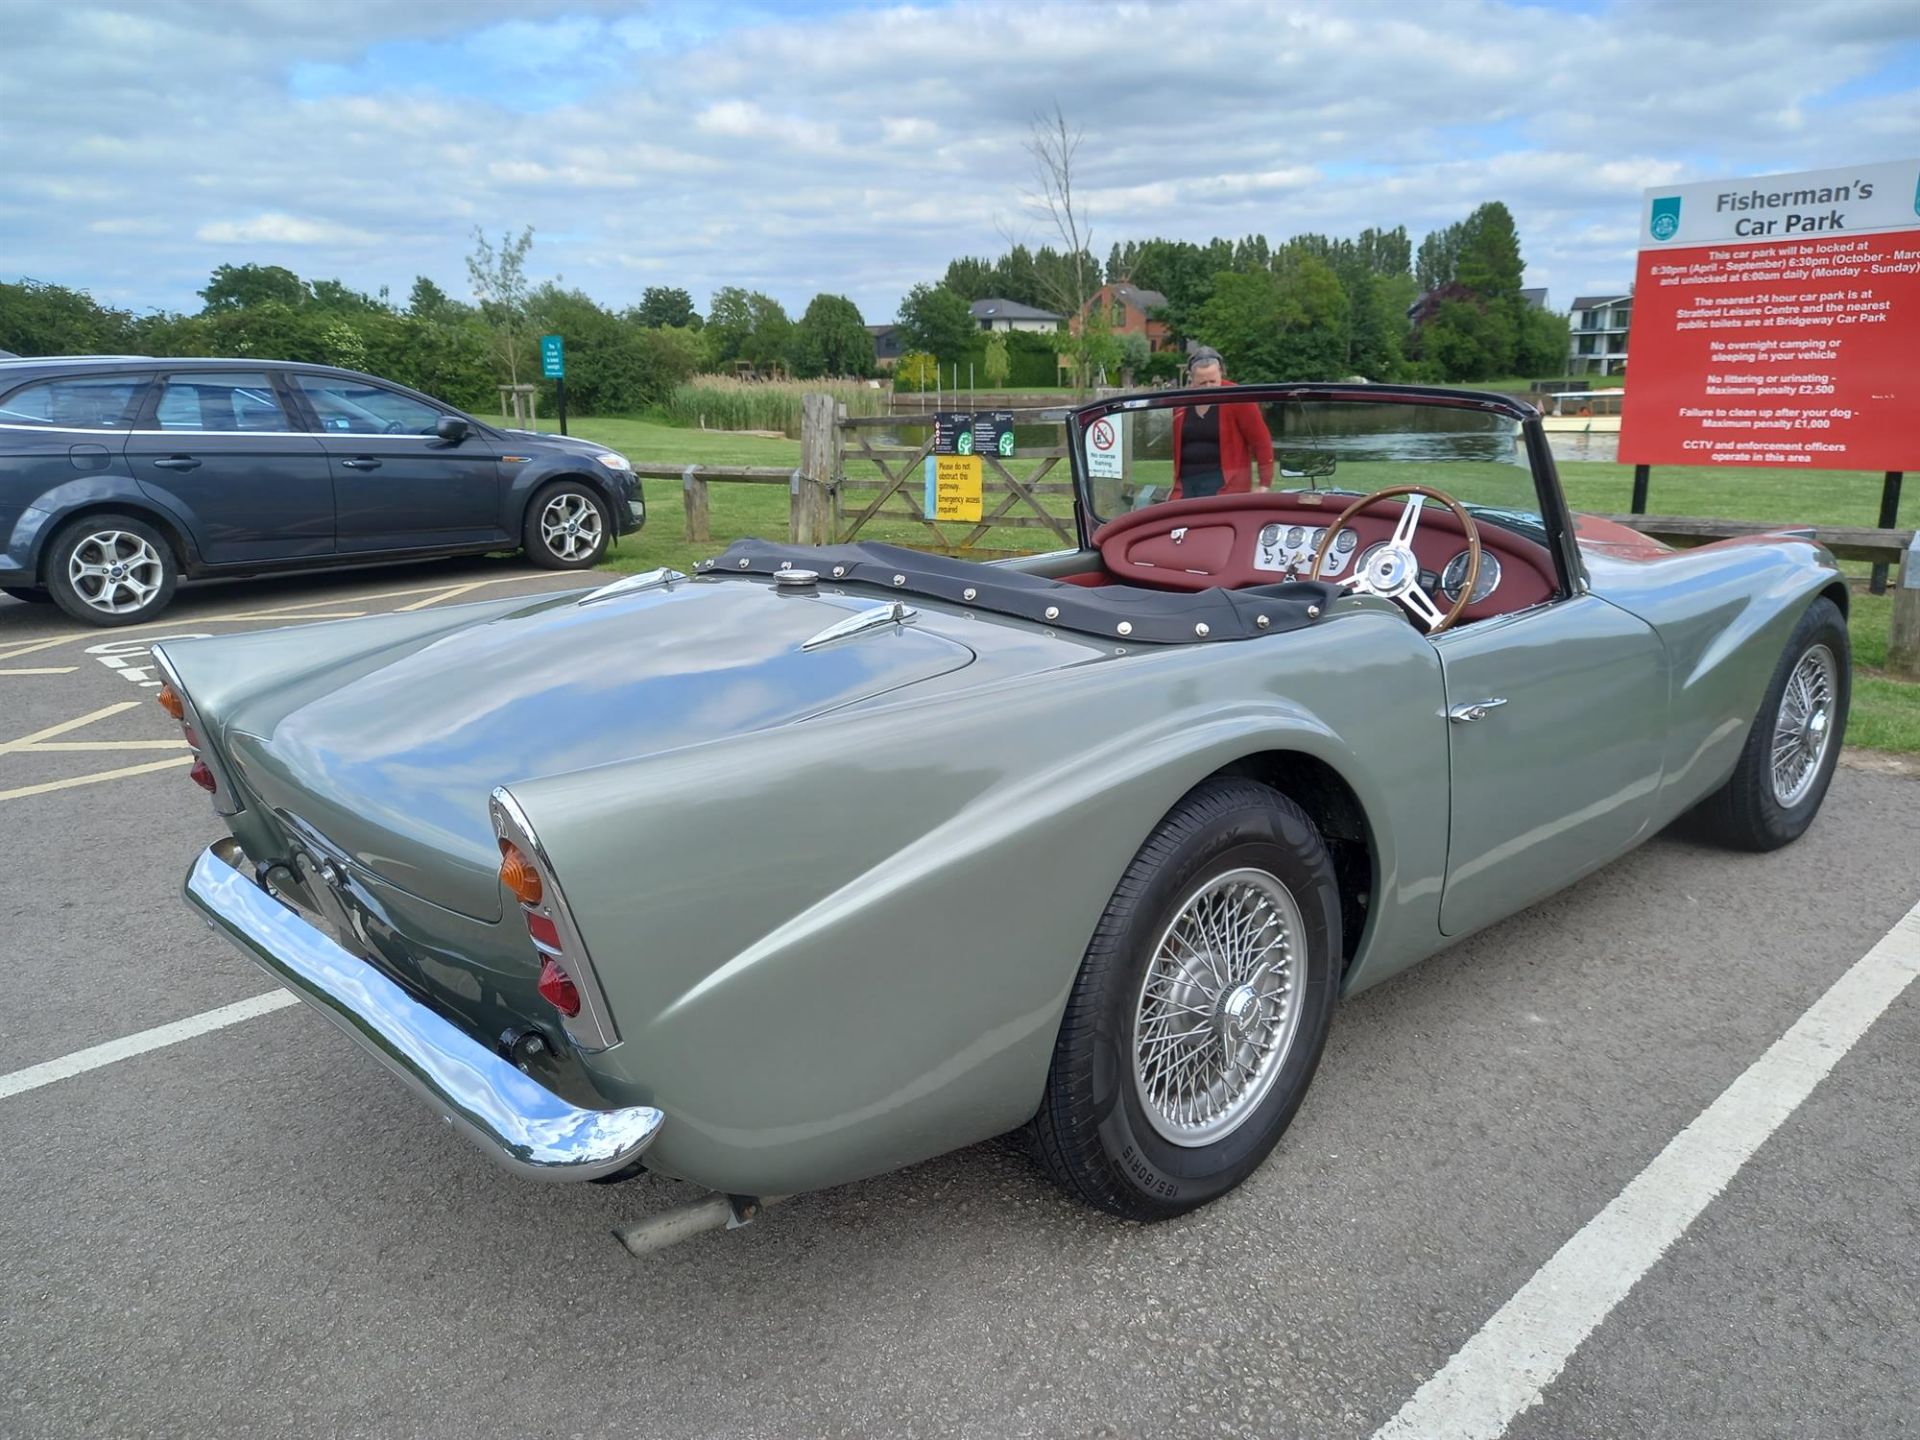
{"x":1202,"y":1004}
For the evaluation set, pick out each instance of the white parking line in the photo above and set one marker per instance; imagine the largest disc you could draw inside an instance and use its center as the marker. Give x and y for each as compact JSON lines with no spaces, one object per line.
{"x":1505,"y":1367}
{"x":127,"y":1046}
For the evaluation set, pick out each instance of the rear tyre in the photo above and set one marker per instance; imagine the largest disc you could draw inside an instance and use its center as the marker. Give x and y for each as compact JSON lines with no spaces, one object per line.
{"x":1201,"y":1007}
{"x":21,"y":592}
{"x":567,"y":527}
{"x":111,"y":570}
{"x":1791,"y":751}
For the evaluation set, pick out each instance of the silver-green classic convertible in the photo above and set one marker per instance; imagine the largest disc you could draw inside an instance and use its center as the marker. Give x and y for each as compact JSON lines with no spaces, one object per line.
{"x":819,"y":862}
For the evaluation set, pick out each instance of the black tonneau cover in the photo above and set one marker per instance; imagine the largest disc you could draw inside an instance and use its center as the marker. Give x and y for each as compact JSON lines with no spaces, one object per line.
{"x":1118,"y":612}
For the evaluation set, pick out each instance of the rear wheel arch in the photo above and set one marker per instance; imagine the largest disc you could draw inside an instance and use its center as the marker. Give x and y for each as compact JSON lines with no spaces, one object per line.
{"x":1837,"y":592}
{"x":1337,"y":812}
{"x":184,"y":554}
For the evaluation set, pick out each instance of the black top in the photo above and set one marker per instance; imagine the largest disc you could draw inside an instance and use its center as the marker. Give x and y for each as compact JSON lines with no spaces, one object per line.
{"x":1152,"y":617}
{"x":1200,"y":442}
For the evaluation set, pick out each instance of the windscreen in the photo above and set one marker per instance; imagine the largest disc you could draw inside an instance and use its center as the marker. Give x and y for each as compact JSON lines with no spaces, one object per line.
{"x":1166,"y":451}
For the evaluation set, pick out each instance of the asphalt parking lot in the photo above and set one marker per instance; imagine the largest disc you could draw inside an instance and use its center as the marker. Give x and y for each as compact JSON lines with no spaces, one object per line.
{"x":253,"y":1231}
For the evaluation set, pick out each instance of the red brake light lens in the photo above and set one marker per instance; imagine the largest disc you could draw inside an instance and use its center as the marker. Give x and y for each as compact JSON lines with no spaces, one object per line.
{"x":557,"y":989}
{"x":203,"y":777}
{"x":544,"y":932}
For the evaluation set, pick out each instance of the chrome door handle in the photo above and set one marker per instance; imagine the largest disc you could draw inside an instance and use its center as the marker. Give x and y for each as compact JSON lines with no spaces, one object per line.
{"x":1473,"y":710}
{"x":365,"y":462}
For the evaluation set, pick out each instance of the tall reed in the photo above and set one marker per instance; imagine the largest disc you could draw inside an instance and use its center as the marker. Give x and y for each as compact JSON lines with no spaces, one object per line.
{"x":717,"y":402}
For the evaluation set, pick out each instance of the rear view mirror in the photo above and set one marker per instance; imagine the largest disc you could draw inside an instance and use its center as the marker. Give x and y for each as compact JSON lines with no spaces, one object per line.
{"x":451,"y":429}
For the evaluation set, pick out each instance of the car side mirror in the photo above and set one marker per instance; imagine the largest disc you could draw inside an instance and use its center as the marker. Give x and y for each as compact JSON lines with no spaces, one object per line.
{"x":451,"y":429}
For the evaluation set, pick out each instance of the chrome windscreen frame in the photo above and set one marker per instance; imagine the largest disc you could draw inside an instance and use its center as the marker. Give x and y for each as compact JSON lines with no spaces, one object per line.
{"x":593,"y":1028}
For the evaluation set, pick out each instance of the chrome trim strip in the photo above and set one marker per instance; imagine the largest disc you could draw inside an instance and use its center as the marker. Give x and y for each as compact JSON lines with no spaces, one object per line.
{"x":861,"y":621}
{"x":515,"y":1119}
{"x":630,"y":584}
{"x":593,"y":1027}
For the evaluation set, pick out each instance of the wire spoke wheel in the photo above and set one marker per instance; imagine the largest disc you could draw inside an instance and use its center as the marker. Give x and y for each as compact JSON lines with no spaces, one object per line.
{"x":1219,"y":1007}
{"x":570,"y":526}
{"x":1803,"y":725}
{"x":115,"y":571}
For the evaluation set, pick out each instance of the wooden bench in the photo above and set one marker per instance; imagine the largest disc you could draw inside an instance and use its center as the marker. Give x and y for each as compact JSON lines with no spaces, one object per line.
{"x":1891,"y":548}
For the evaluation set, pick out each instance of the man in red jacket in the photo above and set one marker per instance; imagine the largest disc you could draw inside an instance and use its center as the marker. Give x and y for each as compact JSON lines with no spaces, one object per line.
{"x":1216,"y":447}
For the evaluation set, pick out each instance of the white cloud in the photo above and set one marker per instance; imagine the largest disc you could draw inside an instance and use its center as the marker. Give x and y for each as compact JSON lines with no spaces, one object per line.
{"x":702,"y":146}
{"x":275,"y":228}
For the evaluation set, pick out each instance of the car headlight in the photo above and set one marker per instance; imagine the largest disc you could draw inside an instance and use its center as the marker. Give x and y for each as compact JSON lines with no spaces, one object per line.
{"x":613,"y":460}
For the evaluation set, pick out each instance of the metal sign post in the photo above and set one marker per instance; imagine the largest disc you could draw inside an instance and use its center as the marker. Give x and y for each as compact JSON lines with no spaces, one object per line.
{"x":553,"y":365}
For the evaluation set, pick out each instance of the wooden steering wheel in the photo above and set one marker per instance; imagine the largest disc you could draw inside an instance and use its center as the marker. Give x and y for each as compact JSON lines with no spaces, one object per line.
{"x":1393,"y":571}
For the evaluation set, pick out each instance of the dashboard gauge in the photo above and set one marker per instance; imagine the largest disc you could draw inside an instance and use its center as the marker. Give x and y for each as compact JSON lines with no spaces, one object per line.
{"x":1366,"y":556}
{"x":1270,"y":535}
{"x":1294,"y":537}
{"x":1455,"y":575}
{"x":1348,"y":539}
{"x":1319,"y":534}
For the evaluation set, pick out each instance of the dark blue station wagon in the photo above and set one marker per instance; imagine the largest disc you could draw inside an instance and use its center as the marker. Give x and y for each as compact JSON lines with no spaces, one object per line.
{"x":121,"y":475}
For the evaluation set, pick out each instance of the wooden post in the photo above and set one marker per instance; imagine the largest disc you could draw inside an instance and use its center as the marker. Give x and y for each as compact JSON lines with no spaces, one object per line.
{"x":839,"y":469}
{"x":693,"y":490}
{"x":1889,"y":517}
{"x":811,"y":517}
{"x":1641,"y":473}
{"x":1903,"y":644}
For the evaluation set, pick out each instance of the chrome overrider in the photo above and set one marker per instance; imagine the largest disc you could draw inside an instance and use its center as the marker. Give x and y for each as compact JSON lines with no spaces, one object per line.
{"x":514,"y":1118}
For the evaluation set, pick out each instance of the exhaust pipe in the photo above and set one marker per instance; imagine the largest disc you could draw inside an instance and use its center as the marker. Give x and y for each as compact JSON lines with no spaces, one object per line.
{"x":683,"y":1222}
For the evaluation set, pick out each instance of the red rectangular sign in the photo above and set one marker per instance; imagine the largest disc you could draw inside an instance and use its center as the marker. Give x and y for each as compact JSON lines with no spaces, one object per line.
{"x":1797,"y":350}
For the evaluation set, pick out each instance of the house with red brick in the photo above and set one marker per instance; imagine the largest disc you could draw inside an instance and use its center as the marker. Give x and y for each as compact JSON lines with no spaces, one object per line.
{"x":1129,"y":310}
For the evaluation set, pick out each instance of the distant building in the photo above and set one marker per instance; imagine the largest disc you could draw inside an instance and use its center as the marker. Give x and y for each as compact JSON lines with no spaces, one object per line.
{"x":886,"y":345}
{"x":1599,"y":323}
{"x":1536,"y":298}
{"x":1012,"y":315}
{"x":1129,"y":311}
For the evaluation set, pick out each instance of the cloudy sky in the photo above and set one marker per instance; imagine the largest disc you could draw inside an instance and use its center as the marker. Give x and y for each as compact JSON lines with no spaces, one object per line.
{"x":796,"y":146}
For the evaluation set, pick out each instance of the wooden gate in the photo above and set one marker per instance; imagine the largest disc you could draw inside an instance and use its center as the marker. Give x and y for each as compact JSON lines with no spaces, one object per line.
{"x":879,"y":485}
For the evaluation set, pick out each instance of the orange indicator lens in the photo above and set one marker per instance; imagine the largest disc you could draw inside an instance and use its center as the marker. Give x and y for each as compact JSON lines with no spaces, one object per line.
{"x":518,"y":875}
{"x":169,"y":700}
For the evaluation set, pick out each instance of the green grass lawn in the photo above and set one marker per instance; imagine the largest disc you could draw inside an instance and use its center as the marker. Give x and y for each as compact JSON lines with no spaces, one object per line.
{"x":1886,"y":713}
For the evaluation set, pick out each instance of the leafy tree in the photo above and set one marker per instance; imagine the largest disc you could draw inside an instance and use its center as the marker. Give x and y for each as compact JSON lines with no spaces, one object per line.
{"x":994,"y":365}
{"x":1134,"y":352}
{"x":916,"y":371}
{"x":666,"y":305}
{"x":427,"y":301}
{"x":1015,"y":277}
{"x":746,"y":325}
{"x":1543,"y":342}
{"x":1267,"y":326}
{"x":832,"y":339}
{"x":41,"y":319}
{"x":499,"y":279}
{"x":336,"y":295}
{"x":972,"y":279}
{"x":935,"y":319}
{"x":238,"y":287}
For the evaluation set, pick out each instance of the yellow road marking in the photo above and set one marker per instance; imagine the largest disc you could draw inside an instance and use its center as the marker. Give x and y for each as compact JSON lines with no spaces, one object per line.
{"x":24,"y":790}
{"x":44,"y":670}
{"x":437,"y":593}
{"x":46,"y":745}
{"x":447,"y":594}
{"x":26,"y":742}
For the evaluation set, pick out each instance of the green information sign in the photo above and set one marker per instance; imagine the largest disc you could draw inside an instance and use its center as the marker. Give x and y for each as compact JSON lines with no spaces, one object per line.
{"x":553,"y":357}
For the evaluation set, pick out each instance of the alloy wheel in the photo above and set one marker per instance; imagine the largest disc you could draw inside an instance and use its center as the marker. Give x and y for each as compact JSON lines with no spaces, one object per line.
{"x":116,"y":571}
{"x":570,"y":526}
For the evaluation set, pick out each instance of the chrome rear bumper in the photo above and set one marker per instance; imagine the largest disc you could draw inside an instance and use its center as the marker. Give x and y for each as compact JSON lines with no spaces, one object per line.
{"x":514,"y":1118}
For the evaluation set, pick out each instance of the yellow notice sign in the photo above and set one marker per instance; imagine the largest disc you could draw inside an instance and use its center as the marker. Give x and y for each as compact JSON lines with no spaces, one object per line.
{"x":956,"y":488}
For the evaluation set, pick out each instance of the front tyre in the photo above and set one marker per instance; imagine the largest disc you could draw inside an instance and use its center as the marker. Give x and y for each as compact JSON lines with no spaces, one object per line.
{"x":567,"y":527}
{"x":1200,"y":1010}
{"x":111,"y":570}
{"x":1791,"y":751}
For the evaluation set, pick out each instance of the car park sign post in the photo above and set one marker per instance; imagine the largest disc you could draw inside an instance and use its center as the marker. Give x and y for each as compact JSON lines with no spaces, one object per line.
{"x":553,"y":365}
{"x":1775,"y":321}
